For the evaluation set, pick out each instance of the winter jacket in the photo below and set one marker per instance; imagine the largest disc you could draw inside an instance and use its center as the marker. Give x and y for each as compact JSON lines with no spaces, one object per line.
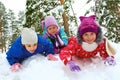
{"x":52,"y":39}
{"x":17,"y":53}
{"x":75,"y":49}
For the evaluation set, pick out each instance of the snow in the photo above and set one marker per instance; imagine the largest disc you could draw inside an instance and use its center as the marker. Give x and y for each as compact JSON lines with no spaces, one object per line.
{"x":38,"y":67}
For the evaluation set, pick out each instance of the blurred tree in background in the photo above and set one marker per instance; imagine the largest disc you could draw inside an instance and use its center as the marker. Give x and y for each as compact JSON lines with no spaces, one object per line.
{"x":36,"y":10}
{"x":2,"y":22}
{"x":107,"y":12}
{"x":108,"y":16}
{"x":9,"y":27}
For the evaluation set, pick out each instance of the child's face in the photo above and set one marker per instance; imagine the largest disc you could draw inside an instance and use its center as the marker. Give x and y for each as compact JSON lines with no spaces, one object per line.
{"x":31,"y":47}
{"x":89,"y":37}
{"x":52,"y":30}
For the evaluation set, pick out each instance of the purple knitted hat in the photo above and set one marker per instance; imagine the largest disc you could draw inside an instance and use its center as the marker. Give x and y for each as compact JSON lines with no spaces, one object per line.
{"x":50,"y":21}
{"x":88,"y":24}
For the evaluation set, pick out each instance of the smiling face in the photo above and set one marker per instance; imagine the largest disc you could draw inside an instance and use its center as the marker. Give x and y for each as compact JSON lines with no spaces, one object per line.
{"x":89,"y":37}
{"x":31,"y":47}
{"x":52,"y":30}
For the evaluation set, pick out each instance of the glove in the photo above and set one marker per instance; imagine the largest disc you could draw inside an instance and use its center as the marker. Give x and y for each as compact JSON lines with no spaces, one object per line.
{"x":73,"y":67}
{"x":51,"y":57}
{"x":110,"y":61}
{"x":15,"y":67}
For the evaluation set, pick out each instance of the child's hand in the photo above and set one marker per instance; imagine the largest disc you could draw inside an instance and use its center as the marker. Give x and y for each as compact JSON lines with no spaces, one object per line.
{"x":15,"y":67}
{"x":51,"y":57}
{"x":73,"y":67}
{"x":109,"y":61}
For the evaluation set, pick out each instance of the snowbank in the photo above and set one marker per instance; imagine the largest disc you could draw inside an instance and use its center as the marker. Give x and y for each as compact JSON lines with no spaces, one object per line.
{"x":38,"y":67}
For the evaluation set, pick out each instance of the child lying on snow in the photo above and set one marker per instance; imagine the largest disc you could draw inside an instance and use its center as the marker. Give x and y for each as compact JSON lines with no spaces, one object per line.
{"x":87,"y":44}
{"x":28,"y":44}
{"x":54,"y":33}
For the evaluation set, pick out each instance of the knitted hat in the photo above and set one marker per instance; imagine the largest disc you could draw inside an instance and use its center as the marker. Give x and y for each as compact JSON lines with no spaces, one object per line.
{"x":29,"y":36}
{"x":88,"y":24}
{"x":50,"y":21}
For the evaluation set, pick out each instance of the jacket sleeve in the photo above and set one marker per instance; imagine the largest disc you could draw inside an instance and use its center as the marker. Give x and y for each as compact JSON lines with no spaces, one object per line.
{"x":67,"y":52}
{"x":13,"y":54}
{"x":11,"y":59}
{"x":106,"y":49}
{"x":49,"y":49}
{"x":110,"y":50}
{"x":47,"y":45}
{"x":63,"y":36}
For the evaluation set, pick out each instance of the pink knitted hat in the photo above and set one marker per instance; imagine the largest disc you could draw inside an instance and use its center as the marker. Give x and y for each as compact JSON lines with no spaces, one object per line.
{"x":88,"y":24}
{"x":50,"y":21}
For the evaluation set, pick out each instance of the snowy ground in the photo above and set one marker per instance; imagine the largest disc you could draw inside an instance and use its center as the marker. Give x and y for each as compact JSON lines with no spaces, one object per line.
{"x":39,"y":68}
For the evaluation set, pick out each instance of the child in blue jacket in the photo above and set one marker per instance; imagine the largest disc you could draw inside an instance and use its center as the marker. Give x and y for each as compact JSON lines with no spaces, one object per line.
{"x":28,"y":44}
{"x":54,"y":33}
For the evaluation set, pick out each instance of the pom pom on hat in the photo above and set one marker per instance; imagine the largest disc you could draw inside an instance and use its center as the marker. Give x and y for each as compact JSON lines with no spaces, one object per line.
{"x":29,"y":36}
{"x":88,"y":24}
{"x":50,"y":21}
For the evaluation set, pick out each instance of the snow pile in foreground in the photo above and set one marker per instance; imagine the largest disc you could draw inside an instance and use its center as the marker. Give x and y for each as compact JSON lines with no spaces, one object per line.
{"x":38,"y":67}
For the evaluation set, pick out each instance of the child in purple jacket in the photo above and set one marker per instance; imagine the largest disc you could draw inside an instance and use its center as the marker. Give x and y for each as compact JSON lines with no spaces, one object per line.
{"x":54,"y":33}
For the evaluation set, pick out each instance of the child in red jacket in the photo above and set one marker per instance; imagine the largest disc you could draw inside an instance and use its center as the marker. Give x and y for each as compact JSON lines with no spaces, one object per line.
{"x":87,"y":44}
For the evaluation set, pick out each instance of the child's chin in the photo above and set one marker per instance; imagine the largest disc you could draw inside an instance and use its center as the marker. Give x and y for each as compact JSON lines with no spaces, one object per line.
{"x":31,"y":52}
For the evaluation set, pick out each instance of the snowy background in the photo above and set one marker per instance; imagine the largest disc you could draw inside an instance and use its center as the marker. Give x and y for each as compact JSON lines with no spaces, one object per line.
{"x":39,"y":68}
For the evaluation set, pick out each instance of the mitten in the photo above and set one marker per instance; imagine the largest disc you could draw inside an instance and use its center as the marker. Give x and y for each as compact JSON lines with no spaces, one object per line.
{"x":15,"y":67}
{"x":60,"y":40}
{"x":51,"y":57}
{"x":73,"y":67}
{"x":109,"y":61}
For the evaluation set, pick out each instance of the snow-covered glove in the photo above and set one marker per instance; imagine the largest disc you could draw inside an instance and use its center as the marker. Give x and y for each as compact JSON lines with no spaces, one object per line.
{"x":110,"y":61}
{"x":51,"y":57}
{"x":15,"y":67}
{"x":73,"y":67}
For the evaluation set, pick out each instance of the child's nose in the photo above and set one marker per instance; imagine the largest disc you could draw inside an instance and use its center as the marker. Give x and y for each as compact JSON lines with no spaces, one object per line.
{"x":32,"y":48}
{"x":89,"y":36}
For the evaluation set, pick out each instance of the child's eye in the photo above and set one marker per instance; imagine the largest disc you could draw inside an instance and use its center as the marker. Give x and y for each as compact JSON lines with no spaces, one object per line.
{"x":49,"y":28}
{"x":92,"y":33}
{"x":35,"y":44}
{"x":86,"y":34}
{"x":28,"y":46}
